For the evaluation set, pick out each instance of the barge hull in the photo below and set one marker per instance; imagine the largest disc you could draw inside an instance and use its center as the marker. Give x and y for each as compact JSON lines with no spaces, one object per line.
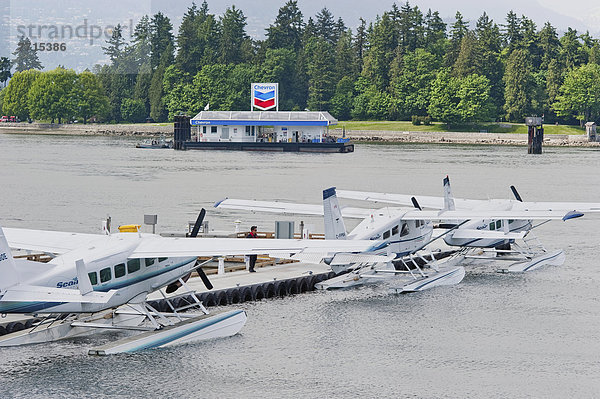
{"x":278,"y":147}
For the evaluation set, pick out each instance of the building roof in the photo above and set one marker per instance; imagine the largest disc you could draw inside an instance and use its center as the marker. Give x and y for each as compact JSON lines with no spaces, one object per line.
{"x":264,"y":118}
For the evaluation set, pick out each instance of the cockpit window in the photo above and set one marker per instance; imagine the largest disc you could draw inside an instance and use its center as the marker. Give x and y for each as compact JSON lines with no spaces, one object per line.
{"x":93,"y":277}
{"x":133,"y":265}
{"x":404,"y":230}
{"x":105,"y":275}
{"x":119,"y":270}
{"x":395,"y":230}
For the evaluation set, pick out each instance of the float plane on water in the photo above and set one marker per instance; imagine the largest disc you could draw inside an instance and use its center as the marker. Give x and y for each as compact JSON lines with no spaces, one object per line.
{"x":407,"y":231}
{"x":91,"y":275}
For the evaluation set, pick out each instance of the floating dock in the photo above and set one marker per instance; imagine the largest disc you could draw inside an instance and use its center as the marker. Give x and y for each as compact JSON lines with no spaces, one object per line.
{"x":266,"y":146}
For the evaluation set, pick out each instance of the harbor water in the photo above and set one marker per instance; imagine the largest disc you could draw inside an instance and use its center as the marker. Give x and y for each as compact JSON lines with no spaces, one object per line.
{"x":534,"y":335}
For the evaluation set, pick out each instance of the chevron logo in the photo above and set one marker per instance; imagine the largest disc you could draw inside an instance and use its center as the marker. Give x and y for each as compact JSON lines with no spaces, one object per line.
{"x":264,"y":96}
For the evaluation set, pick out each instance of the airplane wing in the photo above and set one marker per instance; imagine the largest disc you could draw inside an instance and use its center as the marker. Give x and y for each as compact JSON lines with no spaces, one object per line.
{"x":34,"y":293}
{"x":406,"y":200}
{"x":490,"y":214}
{"x":288,"y":207}
{"x":56,"y":242}
{"x":180,"y":247}
{"x":563,"y":206}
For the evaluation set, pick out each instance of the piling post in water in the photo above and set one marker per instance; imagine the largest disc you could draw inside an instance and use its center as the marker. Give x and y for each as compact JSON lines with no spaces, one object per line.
{"x":535,"y":134}
{"x":182,"y":131}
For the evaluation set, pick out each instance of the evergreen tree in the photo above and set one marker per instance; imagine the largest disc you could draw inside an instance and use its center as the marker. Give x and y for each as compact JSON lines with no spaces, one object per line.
{"x":233,"y":25}
{"x":189,"y":54}
{"x":520,"y":89}
{"x":115,"y":44}
{"x":549,"y":45}
{"x":325,"y":26}
{"x":25,"y":56}
{"x":158,"y":110}
{"x":360,"y":43}
{"x":512,"y":31}
{"x":435,"y":33}
{"x":161,"y":39}
{"x":469,"y":57}
{"x":530,"y":41}
{"x":4,"y":70}
{"x":458,"y":31}
{"x":141,"y":42}
{"x":490,"y":65}
{"x":345,"y":58}
{"x":572,"y":53}
{"x":286,"y":31}
{"x":321,"y":82}
{"x":381,"y":52}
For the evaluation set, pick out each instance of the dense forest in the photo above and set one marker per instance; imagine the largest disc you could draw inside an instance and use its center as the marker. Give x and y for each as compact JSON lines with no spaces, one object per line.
{"x":407,"y":64}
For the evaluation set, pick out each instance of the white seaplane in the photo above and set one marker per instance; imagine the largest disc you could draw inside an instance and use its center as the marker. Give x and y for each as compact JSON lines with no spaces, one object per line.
{"x":405,"y":233}
{"x":506,"y":239}
{"x":91,"y":275}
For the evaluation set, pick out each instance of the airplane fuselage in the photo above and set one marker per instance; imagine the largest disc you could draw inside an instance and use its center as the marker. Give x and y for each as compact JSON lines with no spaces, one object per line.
{"x":108,"y":267}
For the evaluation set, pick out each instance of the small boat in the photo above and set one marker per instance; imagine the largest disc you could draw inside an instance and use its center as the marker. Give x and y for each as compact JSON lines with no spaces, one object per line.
{"x":155,"y":143}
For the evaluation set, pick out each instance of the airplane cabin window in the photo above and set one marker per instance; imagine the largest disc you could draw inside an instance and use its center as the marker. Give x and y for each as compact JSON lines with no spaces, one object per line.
{"x":395,"y":230}
{"x":498,"y":224}
{"x":133,"y":265}
{"x":93,"y":277}
{"x":105,"y":275}
{"x":120,"y":270}
{"x":149,"y":261}
{"x":386,"y":235}
{"x":162,"y":259}
{"x":492,"y":226}
{"x":404,"y":230}
{"x":510,"y":221}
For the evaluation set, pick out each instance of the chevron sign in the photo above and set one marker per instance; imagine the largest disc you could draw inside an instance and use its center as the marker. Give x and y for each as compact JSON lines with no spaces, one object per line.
{"x":265,"y":95}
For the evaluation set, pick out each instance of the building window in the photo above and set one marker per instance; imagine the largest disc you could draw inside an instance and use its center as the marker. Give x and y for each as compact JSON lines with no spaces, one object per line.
{"x":204,"y":129}
{"x":213,"y":129}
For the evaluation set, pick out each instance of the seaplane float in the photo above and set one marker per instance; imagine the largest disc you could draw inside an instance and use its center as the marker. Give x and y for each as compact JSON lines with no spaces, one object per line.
{"x":102,"y":281}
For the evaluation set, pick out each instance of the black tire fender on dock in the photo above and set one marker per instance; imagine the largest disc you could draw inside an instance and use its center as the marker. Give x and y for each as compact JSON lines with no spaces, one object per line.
{"x":311,"y":281}
{"x":292,"y":287}
{"x":14,"y":327}
{"x":280,"y":288}
{"x":319,"y":278}
{"x":246,"y":294}
{"x":258,"y":292}
{"x":221,"y":298}
{"x":209,"y":299}
{"x":270,"y":290}
{"x":2,"y":330}
{"x":233,"y":295}
{"x":29,"y":323}
{"x":302,"y":285}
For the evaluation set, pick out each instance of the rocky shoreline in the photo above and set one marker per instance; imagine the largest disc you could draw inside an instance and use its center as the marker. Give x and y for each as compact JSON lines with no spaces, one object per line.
{"x":367,"y":136}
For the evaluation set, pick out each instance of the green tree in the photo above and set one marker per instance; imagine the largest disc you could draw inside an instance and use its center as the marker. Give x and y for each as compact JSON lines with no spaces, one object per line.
{"x":572,"y":53}
{"x":50,"y":95}
{"x":512,"y":31}
{"x":133,"y":111}
{"x":115,"y":44}
{"x":520,"y":88}
{"x":549,"y":45}
{"x":16,"y":94}
{"x":410,"y":86}
{"x":161,"y":40}
{"x":25,"y":56}
{"x":341,"y":103}
{"x":469,"y":57}
{"x":4,"y":70}
{"x":280,"y":66}
{"x":233,"y":36}
{"x":321,"y":82}
{"x":580,"y":93}
{"x":381,"y":52}
{"x":158,"y":110}
{"x":459,"y":29}
{"x":325,"y":26}
{"x":286,"y":31}
{"x":89,"y":97}
{"x":435,"y":33}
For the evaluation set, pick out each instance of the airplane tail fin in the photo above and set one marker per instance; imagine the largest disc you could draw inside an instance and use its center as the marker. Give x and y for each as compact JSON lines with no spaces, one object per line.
{"x":334,"y":224}
{"x":8,"y":269}
{"x":448,"y":198}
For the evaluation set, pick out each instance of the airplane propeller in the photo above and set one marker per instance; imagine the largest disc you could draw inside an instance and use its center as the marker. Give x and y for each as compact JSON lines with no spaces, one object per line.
{"x":194,"y":233}
{"x":416,"y":203}
{"x":516,"y":193}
